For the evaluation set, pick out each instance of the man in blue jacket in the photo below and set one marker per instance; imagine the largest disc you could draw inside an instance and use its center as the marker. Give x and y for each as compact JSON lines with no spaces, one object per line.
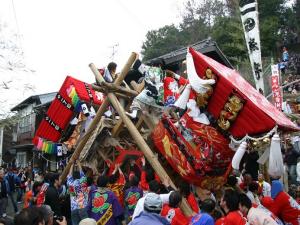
{"x":151,"y":213}
{"x":4,"y":191}
{"x":12,"y":180}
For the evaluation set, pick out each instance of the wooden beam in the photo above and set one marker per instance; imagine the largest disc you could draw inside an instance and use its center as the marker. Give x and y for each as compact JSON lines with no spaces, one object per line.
{"x":104,"y":90}
{"x":98,"y":116}
{"x":139,"y":122}
{"x":119,"y":126}
{"x":108,"y":87}
{"x":102,"y":154}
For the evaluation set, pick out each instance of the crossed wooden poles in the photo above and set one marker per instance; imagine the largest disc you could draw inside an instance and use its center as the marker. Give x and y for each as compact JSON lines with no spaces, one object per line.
{"x":113,"y":90}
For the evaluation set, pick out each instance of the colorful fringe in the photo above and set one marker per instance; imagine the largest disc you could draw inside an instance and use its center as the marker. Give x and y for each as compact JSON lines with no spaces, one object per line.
{"x":71,"y":91}
{"x":48,"y":147}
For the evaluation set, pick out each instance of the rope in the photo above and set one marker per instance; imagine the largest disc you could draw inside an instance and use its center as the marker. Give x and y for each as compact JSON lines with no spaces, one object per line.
{"x":60,"y":161}
{"x":247,"y":137}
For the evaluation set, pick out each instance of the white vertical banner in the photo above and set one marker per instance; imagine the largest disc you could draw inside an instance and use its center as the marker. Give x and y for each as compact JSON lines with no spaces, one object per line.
{"x":249,"y":15}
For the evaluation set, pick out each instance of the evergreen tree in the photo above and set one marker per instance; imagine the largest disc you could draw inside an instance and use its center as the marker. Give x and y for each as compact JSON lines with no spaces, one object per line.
{"x":228,"y":33}
{"x":161,"y":41}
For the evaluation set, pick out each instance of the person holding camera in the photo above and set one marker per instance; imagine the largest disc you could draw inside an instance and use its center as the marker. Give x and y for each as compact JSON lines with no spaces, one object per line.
{"x":52,"y":195}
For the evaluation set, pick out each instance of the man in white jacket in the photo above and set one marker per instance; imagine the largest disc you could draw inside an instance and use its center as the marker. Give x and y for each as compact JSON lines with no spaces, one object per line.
{"x":256,"y":216}
{"x":153,"y":188}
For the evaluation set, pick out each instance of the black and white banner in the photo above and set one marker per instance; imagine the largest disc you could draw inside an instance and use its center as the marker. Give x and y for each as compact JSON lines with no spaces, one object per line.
{"x":249,"y":15}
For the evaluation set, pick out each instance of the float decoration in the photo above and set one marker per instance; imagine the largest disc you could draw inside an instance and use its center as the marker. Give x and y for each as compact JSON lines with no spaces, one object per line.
{"x":72,"y":98}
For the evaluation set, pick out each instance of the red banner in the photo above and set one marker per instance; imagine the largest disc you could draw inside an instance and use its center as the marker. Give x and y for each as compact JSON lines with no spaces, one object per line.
{"x":277,"y":97}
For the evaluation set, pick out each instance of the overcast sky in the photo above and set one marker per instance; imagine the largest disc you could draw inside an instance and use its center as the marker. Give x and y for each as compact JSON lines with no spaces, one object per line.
{"x":61,"y":37}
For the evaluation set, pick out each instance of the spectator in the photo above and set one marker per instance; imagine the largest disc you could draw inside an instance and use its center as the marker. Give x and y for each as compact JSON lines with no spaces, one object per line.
{"x":29,"y":172}
{"x":30,"y":196}
{"x":205,"y":216}
{"x":281,"y":66}
{"x":154,"y":187}
{"x":172,"y":212}
{"x":285,"y":55}
{"x":151,"y":213}
{"x":291,"y":156}
{"x":286,"y":108}
{"x":292,"y":191}
{"x":28,"y":184}
{"x":255,"y":216}
{"x":230,"y":205}
{"x":21,"y":188}
{"x":52,"y":196}
{"x":265,"y":187}
{"x":3,"y":194}
{"x":12,"y":179}
{"x":78,"y":189}
{"x":103,"y":205}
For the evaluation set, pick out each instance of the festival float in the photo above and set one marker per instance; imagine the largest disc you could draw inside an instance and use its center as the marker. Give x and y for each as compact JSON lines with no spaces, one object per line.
{"x":202,"y":152}
{"x":200,"y":124}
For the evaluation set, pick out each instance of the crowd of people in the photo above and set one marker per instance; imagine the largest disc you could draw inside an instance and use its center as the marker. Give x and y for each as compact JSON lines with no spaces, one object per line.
{"x":291,"y":89}
{"x":140,"y":197}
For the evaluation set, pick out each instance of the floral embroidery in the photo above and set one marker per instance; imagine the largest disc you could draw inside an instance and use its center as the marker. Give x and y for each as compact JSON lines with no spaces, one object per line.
{"x":72,"y":190}
{"x":99,"y":203}
{"x":132,"y":199}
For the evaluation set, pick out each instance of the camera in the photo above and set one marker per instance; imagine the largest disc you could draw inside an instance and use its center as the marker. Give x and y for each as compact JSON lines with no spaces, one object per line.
{"x":56,"y":217}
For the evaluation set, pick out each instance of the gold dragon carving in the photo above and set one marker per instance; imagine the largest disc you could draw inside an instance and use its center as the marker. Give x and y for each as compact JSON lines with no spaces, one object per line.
{"x":230,"y":111}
